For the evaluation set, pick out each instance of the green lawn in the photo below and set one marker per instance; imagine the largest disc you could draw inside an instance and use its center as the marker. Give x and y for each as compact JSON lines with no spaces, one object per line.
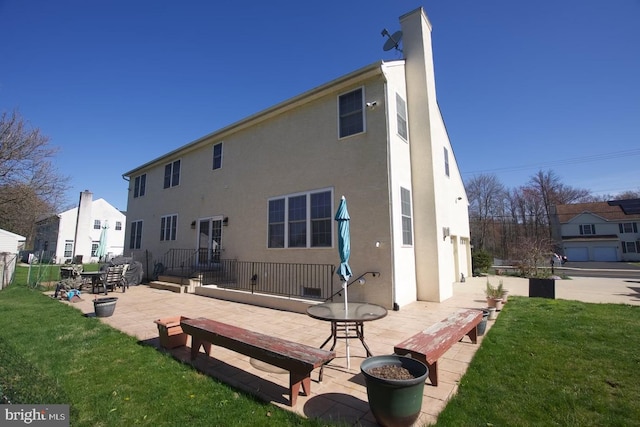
{"x":544,"y":362}
{"x":553,"y":363}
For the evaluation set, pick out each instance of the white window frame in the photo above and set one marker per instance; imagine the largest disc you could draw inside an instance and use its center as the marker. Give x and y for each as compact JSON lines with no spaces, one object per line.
{"x":587,"y":229}
{"x":172,"y":176}
{"x":406,"y":215}
{"x":135,"y":239}
{"x":118,"y":225}
{"x":351,"y":114}
{"x":97,"y":224}
{"x":68,"y":248}
{"x":168,"y":227}
{"x":220,"y":156}
{"x":446,"y":161}
{"x":401,"y":117}
{"x":139,"y":185}
{"x":310,"y":221}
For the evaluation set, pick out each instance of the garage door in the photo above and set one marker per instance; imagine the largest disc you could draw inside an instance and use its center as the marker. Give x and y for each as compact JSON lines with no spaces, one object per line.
{"x":577,"y":254}
{"x":605,"y":253}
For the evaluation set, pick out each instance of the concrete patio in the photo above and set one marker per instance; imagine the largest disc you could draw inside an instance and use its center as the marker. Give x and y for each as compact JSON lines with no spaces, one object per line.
{"x":341,"y":396}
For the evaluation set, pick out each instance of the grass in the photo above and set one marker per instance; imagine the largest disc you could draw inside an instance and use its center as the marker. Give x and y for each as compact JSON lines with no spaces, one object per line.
{"x":544,"y":362}
{"x":553,"y":362}
{"x":51,"y":353}
{"x":44,"y":273}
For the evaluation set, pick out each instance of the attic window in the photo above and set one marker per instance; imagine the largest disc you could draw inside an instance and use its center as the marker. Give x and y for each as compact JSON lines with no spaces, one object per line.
{"x":587,"y":229}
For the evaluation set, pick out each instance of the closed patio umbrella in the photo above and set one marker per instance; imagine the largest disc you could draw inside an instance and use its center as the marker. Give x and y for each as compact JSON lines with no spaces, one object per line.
{"x":344,"y":250}
{"x":102,"y":244}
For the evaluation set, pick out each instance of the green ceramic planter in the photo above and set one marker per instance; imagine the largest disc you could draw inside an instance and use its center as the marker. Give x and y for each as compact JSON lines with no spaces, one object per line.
{"x":395,"y":402}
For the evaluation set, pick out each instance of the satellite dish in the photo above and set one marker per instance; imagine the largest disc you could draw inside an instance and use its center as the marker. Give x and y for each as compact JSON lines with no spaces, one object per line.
{"x":393,"y":41}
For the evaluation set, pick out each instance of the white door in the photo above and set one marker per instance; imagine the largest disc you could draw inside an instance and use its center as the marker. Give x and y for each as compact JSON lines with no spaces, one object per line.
{"x":209,"y":241}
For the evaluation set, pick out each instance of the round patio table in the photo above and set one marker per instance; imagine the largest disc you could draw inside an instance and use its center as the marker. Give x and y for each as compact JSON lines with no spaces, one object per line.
{"x":348,"y":323}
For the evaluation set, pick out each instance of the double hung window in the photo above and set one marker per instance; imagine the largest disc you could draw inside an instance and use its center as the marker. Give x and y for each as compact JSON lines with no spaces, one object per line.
{"x":168,"y":226}
{"x":217,"y":156}
{"x":135,"y":239}
{"x":401,"y":116}
{"x":407,"y":229}
{"x":139,"y":185}
{"x":172,"y":174}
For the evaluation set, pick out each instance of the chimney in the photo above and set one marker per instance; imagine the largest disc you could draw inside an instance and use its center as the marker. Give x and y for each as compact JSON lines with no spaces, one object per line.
{"x":82,"y":240}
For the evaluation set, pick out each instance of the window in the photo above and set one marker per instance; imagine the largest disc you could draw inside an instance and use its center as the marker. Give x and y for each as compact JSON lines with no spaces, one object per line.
{"x":172,"y":174}
{"x":135,"y":239}
{"x":217,"y":156}
{"x":351,"y":113}
{"x":168,"y":225}
{"x":68,"y":248}
{"x":587,"y":229}
{"x":139,"y":185}
{"x":630,"y":247}
{"x":276,"y":223}
{"x":96,"y":224}
{"x":628,"y":227}
{"x":405,"y":202}
{"x":401,"y":116}
{"x":94,"y":248}
{"x":446,"y":161}
{"x":301,"y":221}
{"x":118,"y":225}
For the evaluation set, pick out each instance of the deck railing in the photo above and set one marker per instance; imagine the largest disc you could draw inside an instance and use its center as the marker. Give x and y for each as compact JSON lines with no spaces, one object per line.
{"x":309,"y":281}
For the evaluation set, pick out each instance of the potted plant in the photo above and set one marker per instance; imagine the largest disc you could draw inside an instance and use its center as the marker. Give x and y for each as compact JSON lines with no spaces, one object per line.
{"x":170,"y":332}
{"x":494,"y":295}
{"x":395,"y":385}
{"x":104,"y":307}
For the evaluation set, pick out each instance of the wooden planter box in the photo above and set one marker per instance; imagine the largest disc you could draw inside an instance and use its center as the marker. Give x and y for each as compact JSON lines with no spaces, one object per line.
{"x":170,"y":332}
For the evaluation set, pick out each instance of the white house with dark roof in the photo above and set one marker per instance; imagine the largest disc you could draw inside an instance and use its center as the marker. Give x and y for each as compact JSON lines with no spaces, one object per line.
{"x":263,"y":191}
{"x":598,"y":231}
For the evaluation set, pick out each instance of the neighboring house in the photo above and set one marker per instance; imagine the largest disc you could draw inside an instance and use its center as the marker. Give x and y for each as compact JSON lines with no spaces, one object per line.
{"x":265,"y":189}
{"x":599,"y":231}
{"x":10,"y":246}
{"x":76,"y":232}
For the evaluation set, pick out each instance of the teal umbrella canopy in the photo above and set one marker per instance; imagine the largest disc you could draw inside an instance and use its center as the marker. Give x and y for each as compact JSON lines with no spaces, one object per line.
{"x":102,"y":244}
{"x":344,"y":239}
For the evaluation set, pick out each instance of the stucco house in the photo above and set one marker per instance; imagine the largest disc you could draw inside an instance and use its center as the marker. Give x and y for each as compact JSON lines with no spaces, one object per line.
{"x":598,"y":231}
{"x":263,"y":191}
{"x":62,"y":237}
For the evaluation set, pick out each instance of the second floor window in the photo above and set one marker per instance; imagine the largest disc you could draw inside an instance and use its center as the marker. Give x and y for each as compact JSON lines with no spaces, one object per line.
{"x":139,"y":185}
{"x":628,"y":227}
{"x":351,"y":113}
{"x":168,"y":225}
{"x":172,"y":174}
{"x":135,"y":240}
{"x":446,"y":161}
{"x":118,"y":225}
{"x":401,"y":106}
{"x":587,"y":229}
{"x":96,"y":224}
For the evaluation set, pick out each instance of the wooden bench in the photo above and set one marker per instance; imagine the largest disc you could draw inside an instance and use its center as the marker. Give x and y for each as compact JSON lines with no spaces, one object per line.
{"x":298,"y":359}
{"x":429,"y":345}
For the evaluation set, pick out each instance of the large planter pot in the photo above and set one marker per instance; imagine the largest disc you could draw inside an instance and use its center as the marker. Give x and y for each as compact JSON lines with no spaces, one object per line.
{"x":170,"y":332}
{"x":482,"y":326}
{"x":395,"y":402}
{"x":104,"y":307}
{"x":495,"y":303}
{"x":542,"y":288}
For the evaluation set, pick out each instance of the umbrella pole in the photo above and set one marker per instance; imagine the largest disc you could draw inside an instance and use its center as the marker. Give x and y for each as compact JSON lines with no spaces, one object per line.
{"x":346,"y":326}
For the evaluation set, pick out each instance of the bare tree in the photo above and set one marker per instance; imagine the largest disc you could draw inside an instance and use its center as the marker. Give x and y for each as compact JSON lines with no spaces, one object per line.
{"x":30,"y":185}
{"x":486,"y":198}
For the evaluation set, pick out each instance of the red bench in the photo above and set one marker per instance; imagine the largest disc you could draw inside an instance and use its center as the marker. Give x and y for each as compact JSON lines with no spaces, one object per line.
{"x":298,"y":359}
{"x":429,"y":345}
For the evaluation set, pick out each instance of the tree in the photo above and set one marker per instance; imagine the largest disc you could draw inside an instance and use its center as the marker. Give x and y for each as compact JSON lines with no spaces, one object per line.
{"x":486,"y":203}
{"x":30,"y":185}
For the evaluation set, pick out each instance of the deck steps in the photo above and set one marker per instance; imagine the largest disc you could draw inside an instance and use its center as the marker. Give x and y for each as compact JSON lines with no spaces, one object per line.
{"x":175,"y":284}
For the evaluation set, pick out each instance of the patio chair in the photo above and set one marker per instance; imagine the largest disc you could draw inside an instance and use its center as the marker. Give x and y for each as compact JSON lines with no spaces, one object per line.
{"x":112,"y":278}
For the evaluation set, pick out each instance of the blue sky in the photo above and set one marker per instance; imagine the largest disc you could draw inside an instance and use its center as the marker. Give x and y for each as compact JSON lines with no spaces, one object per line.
{"x":522,"y":86}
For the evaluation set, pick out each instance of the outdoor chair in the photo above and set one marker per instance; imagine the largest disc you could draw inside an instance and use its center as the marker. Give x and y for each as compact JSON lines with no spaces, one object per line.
{"x":112,"y":278}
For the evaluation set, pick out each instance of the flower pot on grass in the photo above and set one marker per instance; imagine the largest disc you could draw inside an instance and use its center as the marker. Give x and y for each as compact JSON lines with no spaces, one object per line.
{"x":104,"y":307}
{"x":542,"y":287}
{"x":394,"y":400}
{"x":170,"y":332}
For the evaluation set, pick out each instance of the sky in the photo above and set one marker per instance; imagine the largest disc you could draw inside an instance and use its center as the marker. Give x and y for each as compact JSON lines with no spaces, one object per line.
{"x":523,"y":86}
